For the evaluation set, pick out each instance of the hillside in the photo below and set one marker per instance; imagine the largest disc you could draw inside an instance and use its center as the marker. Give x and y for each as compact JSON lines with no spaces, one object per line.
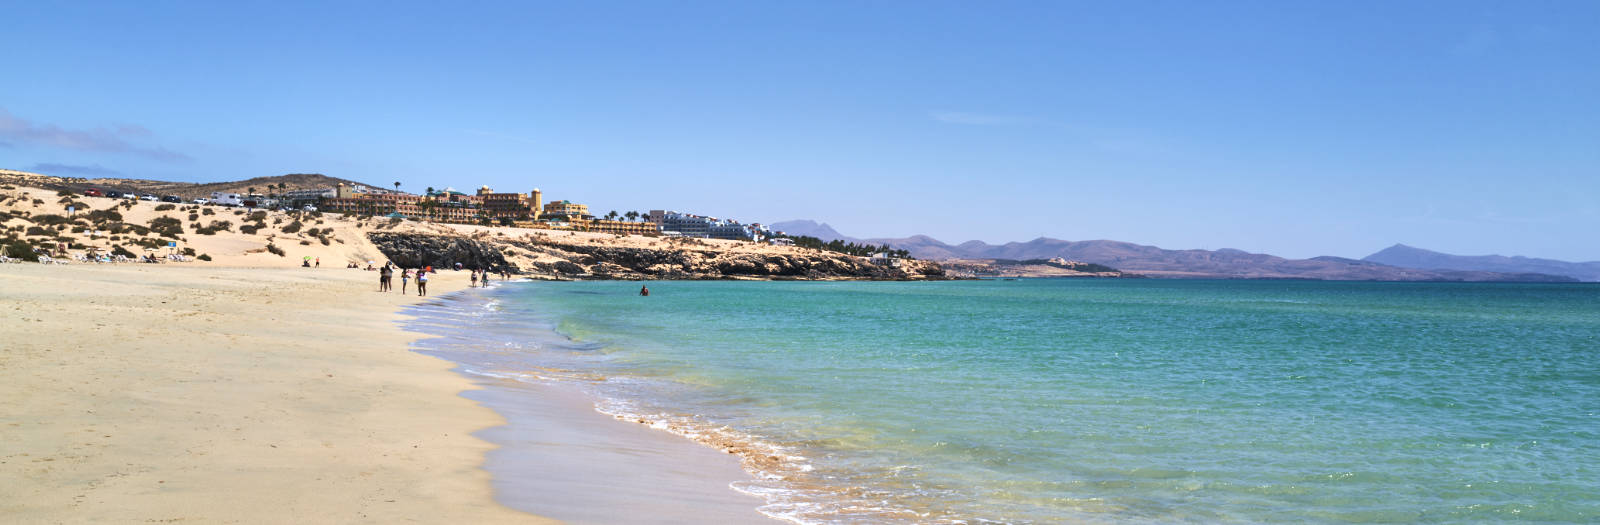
{"x":809,"y":229}
{"x":78,"y":228}
{"x":187,"y":190}
{"x":1411,"y":257}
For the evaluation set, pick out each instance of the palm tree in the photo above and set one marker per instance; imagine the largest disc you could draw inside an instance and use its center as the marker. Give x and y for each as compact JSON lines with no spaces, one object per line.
{"x":632,"y":215}
{"x":251,"y":190}
{"x":612,"y":215}
{"x":397,"y":186}
{"x":428,"y":206}
{"x":430,"y":190}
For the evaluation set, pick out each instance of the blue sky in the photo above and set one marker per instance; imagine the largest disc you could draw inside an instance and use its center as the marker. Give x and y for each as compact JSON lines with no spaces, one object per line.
{"x":1292,"y":128}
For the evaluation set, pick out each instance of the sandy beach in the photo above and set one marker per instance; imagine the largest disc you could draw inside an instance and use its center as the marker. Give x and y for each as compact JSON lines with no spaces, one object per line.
{"x":177,"y":393}
{"x":250,"y":389}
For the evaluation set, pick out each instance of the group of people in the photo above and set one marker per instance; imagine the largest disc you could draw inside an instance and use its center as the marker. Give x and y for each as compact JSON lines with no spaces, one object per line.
{"x":386,"y":277}
{"x":480,"y":278}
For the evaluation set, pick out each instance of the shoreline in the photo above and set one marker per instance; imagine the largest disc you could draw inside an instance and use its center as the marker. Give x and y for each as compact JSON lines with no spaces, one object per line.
{"x":166,"y":393}
{"x":557,"y":454}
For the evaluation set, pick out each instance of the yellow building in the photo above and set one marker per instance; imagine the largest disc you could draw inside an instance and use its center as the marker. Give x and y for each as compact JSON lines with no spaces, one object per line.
{"x":565,"y":209}
{"x":622,"y":227}
{"x":514,"y":206}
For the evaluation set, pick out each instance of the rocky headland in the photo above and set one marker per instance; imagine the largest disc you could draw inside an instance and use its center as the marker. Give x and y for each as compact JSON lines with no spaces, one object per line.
{"x":556,"y":256}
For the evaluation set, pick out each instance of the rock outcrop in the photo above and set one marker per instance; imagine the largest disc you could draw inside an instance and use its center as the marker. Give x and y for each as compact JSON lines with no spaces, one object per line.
{"x":439,"y":251}
{"x":554,"y":258}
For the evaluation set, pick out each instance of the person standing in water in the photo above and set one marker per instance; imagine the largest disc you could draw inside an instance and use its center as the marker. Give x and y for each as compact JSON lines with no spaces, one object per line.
{"x":644,"y":291}
{"x":474,"y":278}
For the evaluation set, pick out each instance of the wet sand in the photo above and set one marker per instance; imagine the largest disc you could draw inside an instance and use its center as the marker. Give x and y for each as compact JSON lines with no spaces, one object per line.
{"x":560,"y":458}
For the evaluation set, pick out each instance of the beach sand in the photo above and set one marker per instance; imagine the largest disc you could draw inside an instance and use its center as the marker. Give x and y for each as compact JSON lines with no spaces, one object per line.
{"x":176,"y":393}
{"x":248,"y":389}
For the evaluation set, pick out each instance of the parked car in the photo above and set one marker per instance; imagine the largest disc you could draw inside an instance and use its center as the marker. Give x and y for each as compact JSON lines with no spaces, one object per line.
{"x":131,"y":196}
{"x":308,"y":207}
{"x":92,"y":192}
{"x":201,"y":201}
{"x":172,"y":198}
{"x":114,"y":194}
{"x":148,"y":197}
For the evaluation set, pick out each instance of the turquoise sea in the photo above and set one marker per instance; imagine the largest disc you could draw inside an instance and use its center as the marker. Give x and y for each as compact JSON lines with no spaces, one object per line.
{"x":1115,"y":401}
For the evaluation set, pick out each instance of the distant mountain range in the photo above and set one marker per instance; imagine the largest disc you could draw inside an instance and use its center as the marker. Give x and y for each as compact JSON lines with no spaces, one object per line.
{"x":1157,"y":262}
{"x":1411,"y":257}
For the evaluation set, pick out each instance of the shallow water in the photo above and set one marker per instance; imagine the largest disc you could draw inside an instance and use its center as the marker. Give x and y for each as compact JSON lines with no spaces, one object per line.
{"x":1042,"y":401}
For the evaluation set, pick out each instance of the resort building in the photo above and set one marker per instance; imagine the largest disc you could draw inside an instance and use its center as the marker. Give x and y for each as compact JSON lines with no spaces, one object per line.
{"x":619,"y":227}
{"x":486,"y":206}
{"x":514,"y":206}
{"x":689,"y":225}
{"x":566,"y":210}
{"x":298,"y":198}
{"x":347,"y":200}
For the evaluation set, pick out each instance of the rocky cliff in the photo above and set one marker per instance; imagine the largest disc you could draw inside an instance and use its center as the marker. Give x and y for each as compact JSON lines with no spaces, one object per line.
{"x":548,"y":257}
{"x":411,"y":250}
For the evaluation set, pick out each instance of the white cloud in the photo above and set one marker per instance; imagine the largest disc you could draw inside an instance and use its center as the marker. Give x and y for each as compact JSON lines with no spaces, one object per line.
{"x":98,"y":139}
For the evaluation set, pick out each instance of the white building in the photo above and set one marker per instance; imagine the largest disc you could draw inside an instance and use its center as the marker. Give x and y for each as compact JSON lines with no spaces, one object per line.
{"x":689,"y":225}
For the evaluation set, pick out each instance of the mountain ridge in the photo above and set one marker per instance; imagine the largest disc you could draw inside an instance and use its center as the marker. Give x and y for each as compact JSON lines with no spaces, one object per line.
{"x":1405,"y":256}
{"x":1226,"y":263}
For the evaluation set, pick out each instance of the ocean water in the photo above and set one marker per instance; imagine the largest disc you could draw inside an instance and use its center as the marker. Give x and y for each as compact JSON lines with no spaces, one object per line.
{"x":1099,"y":401}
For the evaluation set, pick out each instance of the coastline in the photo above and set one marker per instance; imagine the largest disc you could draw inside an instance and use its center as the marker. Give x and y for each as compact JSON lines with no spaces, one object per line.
{"x":168,"y":393}
{"x":556,"y":454}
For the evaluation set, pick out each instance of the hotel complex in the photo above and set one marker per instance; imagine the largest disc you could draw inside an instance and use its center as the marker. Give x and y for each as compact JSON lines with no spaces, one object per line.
{"x":688,"y":225}
{"x":527,"y":210}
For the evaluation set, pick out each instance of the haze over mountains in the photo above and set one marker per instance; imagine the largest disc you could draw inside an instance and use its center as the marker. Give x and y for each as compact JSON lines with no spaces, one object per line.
{"x":1224,"y":263}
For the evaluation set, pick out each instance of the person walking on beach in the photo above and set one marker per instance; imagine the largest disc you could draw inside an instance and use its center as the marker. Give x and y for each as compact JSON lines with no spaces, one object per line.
{"x":422,"y":283}
{"x":319,"y":262}
{"x":405,"y":277}
{"x":474,"y":278}
{"x":385,"y":277}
